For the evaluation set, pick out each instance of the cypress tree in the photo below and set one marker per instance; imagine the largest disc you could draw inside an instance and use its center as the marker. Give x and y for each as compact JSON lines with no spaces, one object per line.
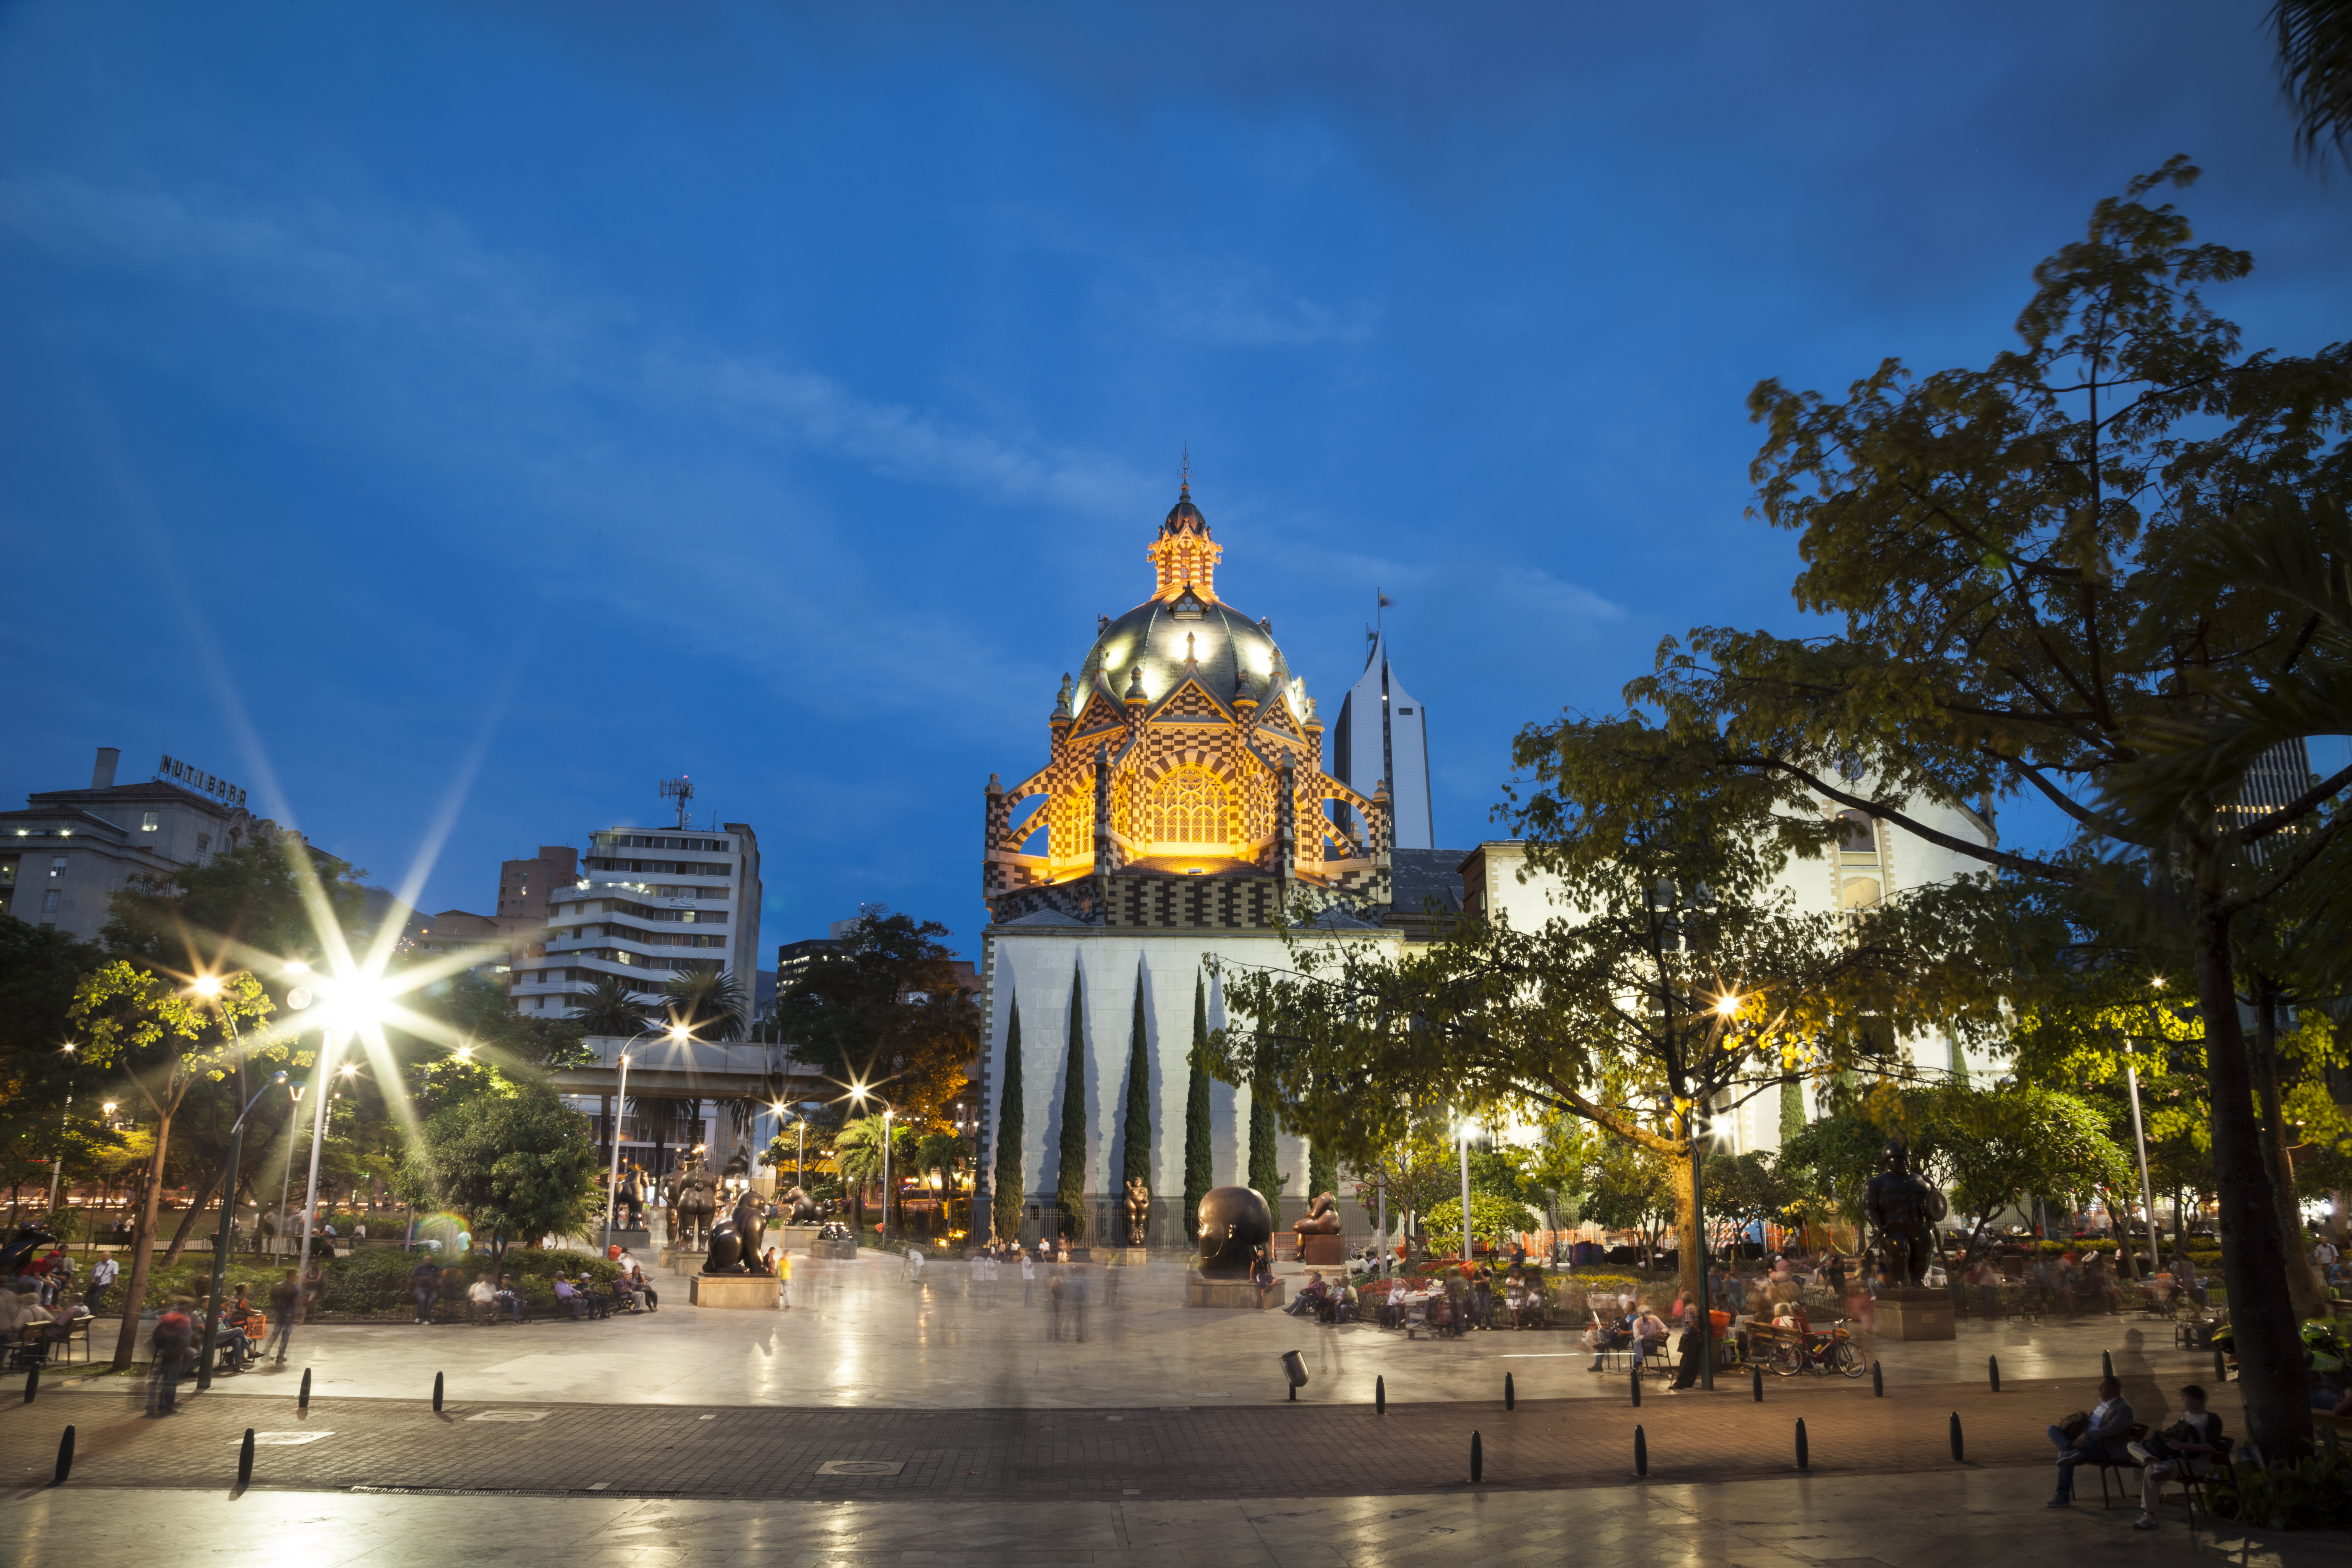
{"x":1792,"y":1110}
{"x":1198,"y":1176}
{"x":1135,"y":1162}
{"x":1263,"y":1174}
{"x":1009,"y":1131}
{"x":1070,"y":1184}
{"x":1322,"y":1171}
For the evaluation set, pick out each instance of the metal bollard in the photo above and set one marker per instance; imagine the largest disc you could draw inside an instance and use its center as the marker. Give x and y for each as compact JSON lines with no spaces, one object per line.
{"x":1510,"y":1395}
{"x":302,"y":1400}
{"x":1756,"y":1383}
{"x":1641,"y":1454}
{"x":1804,"y":1456}
{"x":2106,"y":1364}
{"x":245,"y":1459}
{"x":32,"y":1382}
{"x":1293,"y":1369}
{"x":1637,"y":1384}
{"x":436,"y":1391}
{"x":1959,"y":1454}
{"x":1380,"y":1396}
{"x":1877,"y":1381}
{"x":2221,"y":1367}
{"x":1992,"y":1366}
{"x":64,"y":1457}
{"x":1477,"y":1459}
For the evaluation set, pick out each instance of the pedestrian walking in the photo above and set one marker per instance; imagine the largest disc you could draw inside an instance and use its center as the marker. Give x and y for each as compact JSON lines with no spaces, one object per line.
{"x":174,"y":1332}
{"x":283,"y":1299}
{"x":1053,"y":1306}
{"x":785,"y":1280}
{"x":1028,"y":1280}
{"x":1079,"y":1289}
{"x":424,"y":1279}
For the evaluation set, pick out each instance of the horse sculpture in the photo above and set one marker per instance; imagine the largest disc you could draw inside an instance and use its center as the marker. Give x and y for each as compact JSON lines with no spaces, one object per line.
{"x":693,"y":1194}
{"x":735,"y":1242}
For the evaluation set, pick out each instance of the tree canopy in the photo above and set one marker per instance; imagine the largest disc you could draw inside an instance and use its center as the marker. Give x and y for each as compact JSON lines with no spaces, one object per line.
{"x":888,"y":1011}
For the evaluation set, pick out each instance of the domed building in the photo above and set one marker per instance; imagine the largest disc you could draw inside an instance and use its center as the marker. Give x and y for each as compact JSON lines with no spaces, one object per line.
{"x":1184,"y":785}
{"x":1183,"y":813}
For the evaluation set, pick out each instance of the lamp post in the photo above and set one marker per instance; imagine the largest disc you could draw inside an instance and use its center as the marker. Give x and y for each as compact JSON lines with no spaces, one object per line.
{"x":57,"y":1165}
{"x":612,"y":1180}
{"x":1462,"y":1136}
{"x":310,"y":1189}
{"x":221,"y":1241}
{"x":677,"y":1035}
{"x":286,"y":1178}
{"x":886,"y":1111}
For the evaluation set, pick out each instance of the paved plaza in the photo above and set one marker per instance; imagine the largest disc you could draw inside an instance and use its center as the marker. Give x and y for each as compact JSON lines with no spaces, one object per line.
{"x":858,"y":1335}
{"x":884,"y":1420}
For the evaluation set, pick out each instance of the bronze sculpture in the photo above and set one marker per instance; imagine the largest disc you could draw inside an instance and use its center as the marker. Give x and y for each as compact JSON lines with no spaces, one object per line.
{"x":735,"y":1241}
{"x":1904,"y":1210}
{"x":693,"y":1194}
{"x":1235,"y":1226}
{"x":799,"y":1208}
{"x":1322,"y":1217}
{"x":1139,"y":1210}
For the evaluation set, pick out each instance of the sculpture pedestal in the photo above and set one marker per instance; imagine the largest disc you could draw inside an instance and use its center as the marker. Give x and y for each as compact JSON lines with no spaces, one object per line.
{"x":847,"y":1251}
{"x":1130,"y":1256}
{"x":1914,"y":1312}
{"x":1240,"y":1293}
{"x":743,"y":1291}
{"x":1322,"y":1251}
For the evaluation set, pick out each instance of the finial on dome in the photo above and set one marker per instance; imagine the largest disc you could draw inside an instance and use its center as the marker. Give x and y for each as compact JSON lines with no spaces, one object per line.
{"x":1135,"y":684}
{"x":1190,"y":657}
{"x":1184,"y":470}
{"x":1062,"y":702}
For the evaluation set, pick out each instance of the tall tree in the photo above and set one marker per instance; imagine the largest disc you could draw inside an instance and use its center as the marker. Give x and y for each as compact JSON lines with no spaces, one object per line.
{"x":1687,"y":981}
{"x":610,"y":1009}
{"x":707,"y":1003}
{"x":1011,"y":1129}
{"x":1322,"y":1170}
{"x":892,"y":1009}
{"x":1070,"y":1179}
{"x":1266,"y":1171}
{"x":163,"y":1040}
{"x":253,"y":899}
{"x":1200,"y":1173}
{"x":1135,"y":1156}
{"x":2005,"y":547}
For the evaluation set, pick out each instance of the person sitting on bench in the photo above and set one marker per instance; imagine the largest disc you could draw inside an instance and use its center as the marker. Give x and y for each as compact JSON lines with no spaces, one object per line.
{"x":2100,"y":1442}
{"x":2186,"y":1447}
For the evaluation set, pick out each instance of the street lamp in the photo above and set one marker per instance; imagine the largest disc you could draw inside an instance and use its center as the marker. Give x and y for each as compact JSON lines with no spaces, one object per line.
{"x":678,"y":1035}
{"x":57,"y":1165}
{"x":888,"y":1111}
{"x":221,"y":1241}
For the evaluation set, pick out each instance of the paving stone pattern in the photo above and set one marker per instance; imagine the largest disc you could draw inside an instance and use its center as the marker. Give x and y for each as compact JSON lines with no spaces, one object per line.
{"x":1253,"y":1451}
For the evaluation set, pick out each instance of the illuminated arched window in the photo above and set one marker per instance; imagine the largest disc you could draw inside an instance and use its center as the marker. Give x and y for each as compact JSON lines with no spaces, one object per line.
{"x":1862,"y":893}
{"x":1189,"y":807}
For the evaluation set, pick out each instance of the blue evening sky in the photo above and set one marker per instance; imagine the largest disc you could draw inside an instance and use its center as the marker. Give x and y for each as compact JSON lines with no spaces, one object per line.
{"x":467,"y":415}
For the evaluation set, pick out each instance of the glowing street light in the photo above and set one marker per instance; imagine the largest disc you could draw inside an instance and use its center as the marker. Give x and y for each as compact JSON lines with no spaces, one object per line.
{"x":677,"y":1035}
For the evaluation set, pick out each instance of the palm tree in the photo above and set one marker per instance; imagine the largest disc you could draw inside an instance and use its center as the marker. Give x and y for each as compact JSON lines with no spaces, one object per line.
{"x":708,"y":1002}
{"x":941,"y":1152}
{"x":857,"y":1156}
{"x":2314,"y":39}
{"x":609,"y":1009}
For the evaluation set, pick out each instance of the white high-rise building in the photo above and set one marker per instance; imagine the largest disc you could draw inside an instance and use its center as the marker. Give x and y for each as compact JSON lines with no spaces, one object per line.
{"x":1383,"y":733}
{"x":648,"y":906}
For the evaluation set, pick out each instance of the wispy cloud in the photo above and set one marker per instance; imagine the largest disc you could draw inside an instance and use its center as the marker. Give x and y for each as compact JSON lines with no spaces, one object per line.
{"x":531,"y":353}
{"x":1232,"y":303}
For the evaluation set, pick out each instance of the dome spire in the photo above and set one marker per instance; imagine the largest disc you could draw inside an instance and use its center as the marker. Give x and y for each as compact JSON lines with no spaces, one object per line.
{"x":1183,"y":555}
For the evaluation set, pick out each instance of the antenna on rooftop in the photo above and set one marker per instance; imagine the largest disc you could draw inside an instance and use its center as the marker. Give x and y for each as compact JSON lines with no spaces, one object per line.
{"x":681,"y":790}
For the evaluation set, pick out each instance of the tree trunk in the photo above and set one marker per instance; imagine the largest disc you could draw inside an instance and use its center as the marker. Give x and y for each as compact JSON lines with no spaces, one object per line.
{"x":1688,"y":1247}
{"x":188,"y":1220}
{"x":2304,"y":1284}
{"x":143,"y":1249}
{"x":2254,"y":1258}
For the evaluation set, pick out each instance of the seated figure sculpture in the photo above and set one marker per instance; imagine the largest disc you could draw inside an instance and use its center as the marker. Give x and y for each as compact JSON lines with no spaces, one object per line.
{"x":735,"y":1241}
{"x":1322,"y":1217}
